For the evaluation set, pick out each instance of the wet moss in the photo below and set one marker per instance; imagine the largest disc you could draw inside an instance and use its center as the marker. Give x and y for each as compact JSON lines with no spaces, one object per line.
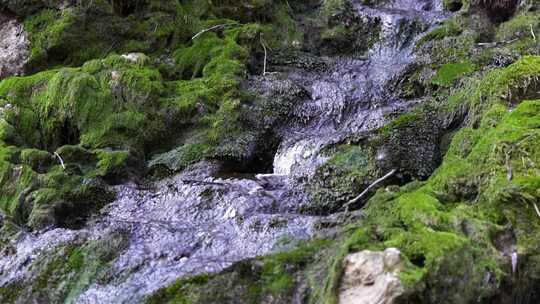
{"x":350,"y":169}
{"x":448,"y":28}
{"x":274,"y":277}
{"x":62,"y":276}
{"x":450,"y":72}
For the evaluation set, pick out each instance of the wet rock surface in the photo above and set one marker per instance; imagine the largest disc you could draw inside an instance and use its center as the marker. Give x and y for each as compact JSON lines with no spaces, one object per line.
{"x":250,"y":173}
{"x":14,"y":46}
{"x":186,"y":225}
{"x":201,"y":221}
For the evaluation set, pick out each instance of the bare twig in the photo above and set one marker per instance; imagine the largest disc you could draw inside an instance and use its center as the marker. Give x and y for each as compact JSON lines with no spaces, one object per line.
{"x":532,"y":33}
{"x":509,"y":171}
{"x":375,"y":183}
{"x":215,"y":27}
{"x":61,"y":160}
{"x":265,"y":56}
{"x":497,"y":43}
{"x":536,"y":209}
{"x":192,"y":181}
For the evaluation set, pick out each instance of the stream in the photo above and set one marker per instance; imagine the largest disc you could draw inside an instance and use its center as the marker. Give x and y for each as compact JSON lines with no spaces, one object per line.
{"x":197,"y":222}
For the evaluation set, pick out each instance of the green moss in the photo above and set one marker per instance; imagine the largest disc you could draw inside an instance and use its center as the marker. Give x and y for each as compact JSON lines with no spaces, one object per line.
{"x":450,"y":72}
{"x":247,"y":282}
{"x":519,"y":27}
{"x":47,"y":30}
{"x":64,"y":275}
{"x":351,"y":168}
{"x":451,"y":219}
{"x":448,"y":28}
{"x":181,"y":157}
{"x":111,"y":163}
{"x":102,"y":104}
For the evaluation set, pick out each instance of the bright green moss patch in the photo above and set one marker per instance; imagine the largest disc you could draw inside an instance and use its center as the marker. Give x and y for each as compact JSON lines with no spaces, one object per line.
{"x":448,"y":73}
{"x":449,"y":28}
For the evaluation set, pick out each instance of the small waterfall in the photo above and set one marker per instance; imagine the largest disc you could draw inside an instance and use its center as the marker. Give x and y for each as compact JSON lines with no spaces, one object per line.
{"x":351,"y":97}
{"x":196,"y":222}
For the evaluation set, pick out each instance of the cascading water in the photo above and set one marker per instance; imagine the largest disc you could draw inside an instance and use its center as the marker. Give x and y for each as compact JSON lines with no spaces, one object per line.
{"x":196,"y":222}
{"x":351,"y":97}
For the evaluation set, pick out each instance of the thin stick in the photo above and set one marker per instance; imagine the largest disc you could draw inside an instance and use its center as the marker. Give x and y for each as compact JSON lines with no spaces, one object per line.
{"x":192,"y":181}
{"x":375,"y":183}
{"x":536,"y":208}
{"x":61,"y":160}
{"x":265,"y":56}
{"x":497,"y":43}
{"x":509,"y":171}
{"x":532,"y":33}
{"x":215,"y":27}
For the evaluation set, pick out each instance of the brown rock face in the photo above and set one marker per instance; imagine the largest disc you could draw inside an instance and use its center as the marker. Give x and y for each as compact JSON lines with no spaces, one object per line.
{"x":14,"y":46}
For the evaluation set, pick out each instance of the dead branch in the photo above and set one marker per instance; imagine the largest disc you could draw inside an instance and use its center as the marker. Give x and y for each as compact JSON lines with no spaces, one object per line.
{"x":374,"y":184}
{"x":536,"y":209}
{"x":509,"y":171}
{"x":496,"y":43}
{"x":61,"y":160}
{"x":532,"y":33}
{"x":265,"y":56}
{"x":215,"y":27}
{"x":193,"y":181}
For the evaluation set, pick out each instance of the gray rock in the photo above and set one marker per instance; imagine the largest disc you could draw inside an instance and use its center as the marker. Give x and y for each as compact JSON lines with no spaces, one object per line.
{"x":371,"y":278}
{"x":14,"y":46}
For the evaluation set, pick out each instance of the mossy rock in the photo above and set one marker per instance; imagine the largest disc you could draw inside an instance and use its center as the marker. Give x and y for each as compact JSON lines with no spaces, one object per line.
{"x":444,"y":236}
{"x":273,"y":279}
{"x":64,"y":274}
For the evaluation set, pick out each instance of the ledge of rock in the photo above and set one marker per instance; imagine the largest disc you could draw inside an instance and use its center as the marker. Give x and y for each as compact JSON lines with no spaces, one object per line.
{"x":371,"y":277}
{"x":14,"y":46}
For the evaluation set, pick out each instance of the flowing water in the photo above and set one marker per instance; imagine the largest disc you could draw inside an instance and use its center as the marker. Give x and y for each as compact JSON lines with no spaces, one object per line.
{"x":196,"y":222}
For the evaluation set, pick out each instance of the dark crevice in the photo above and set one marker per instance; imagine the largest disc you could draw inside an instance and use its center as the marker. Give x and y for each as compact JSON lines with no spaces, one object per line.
{"x":126,"y":7}
{"x":260,"y":162}
{"x":498,"y":10}
{"x":418,"y":260}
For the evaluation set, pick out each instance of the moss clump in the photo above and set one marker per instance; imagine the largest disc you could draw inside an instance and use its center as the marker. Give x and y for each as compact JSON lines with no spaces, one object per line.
{"x":448,"y":28}
{"x":350,"y":170}
{"x":64,"y":274}
{"x":100,"y":105}
{"x":75,"y":33}
{"x":181,"y":157}
{"x":448,"y":73}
